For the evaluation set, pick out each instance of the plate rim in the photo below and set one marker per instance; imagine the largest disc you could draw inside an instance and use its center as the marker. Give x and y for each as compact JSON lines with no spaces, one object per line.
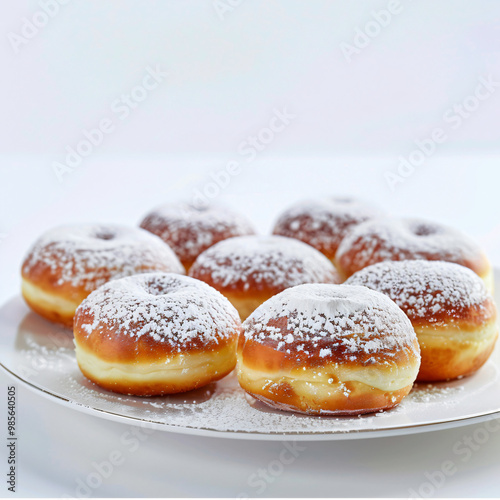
{"x":403,"y":430}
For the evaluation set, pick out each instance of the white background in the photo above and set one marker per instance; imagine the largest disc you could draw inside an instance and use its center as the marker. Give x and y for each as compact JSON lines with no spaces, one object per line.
{"x":225,"y":77}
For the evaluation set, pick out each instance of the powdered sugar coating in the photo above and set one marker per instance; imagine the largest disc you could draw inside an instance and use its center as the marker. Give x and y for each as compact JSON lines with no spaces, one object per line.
{"x":323,"y":223}
{"x":190,"y":230}
{"x":407,"y":239}
{"x":431,"y":291}
{"x":262,"y":263}
{"x":350,"y":324}
{"x":170,"y":309}
{"x":88,"y":256}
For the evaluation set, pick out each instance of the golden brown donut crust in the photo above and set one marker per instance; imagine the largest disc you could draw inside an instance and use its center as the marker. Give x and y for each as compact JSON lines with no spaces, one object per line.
{"x":362,"y":399}
{"x":408,"y":239}
{"x":215,"y":364}
{"x":110,"y":347}
{"x":249,"y":270}
{"x":69,"y":262}
{"x":325,"y":349}
{"x":56,"y":307}
{"x":447,"y":358}
{"x":454,"y":316}
{"x":190,"y":230}
{"x":267,"y":358}
{"x":323,"y":223}
{"x":155,"y":333}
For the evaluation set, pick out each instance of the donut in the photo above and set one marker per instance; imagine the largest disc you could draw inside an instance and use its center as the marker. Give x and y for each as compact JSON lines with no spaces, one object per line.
{"x":409,"y":239}
{"x":67,"y":263}
{"x":248,"y":270}
{"x":328,"y":350}
{"x":189,"y":230}
{"x":324,"y":223}
{"x":154,"y":334}
{"x":453,"y":314}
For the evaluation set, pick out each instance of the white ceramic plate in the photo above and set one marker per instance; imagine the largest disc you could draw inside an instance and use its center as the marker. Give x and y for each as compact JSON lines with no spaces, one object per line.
{"x":41,"y":355}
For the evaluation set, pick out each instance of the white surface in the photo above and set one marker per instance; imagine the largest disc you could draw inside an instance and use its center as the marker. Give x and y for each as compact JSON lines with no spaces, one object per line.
{"x":42,"y":355}
{"x":226,"y":77}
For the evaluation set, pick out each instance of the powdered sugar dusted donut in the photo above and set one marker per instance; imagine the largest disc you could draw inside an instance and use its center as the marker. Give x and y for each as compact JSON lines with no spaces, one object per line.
{"x":328,"y":349}
{"x":154,"y":334}
{"x":453,"y":314}
{"x":323,"y":223}
{"x":250,"y":269}
{"x":190,"y":230}
{"x":409,"y":239}
{"x":69,"y":262}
